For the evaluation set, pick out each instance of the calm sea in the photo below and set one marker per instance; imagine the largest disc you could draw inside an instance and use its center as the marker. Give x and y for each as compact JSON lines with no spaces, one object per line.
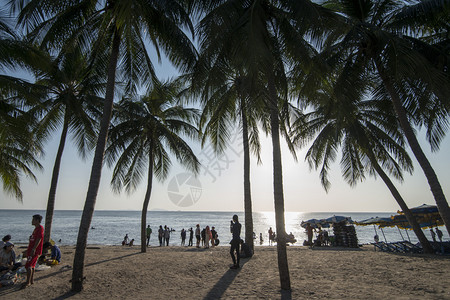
{"x":109,"y":227}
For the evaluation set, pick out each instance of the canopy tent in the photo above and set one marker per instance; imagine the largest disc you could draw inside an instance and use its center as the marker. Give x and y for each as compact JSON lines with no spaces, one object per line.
{"x":312,"y":222}
{"x":427,"y":215}
{"x":337,"y":219}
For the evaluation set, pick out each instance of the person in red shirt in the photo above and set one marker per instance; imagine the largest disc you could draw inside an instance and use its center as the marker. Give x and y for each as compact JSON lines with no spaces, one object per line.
{"x":34,"y":249}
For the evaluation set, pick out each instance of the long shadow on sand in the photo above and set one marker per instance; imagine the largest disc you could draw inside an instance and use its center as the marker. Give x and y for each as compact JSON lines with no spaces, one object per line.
{"x":4,"y":291}
{"x":224,"y":282}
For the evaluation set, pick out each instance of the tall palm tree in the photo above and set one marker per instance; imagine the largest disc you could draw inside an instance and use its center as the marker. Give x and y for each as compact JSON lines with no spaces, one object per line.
{"x":367,"y":134}
{"x":118,"y":29}
{"x":263,"y":37}
{"x":229,"y":96}
{"x":71,"y":101}
{"x":144,"y":132}
{"x":407,"y":75}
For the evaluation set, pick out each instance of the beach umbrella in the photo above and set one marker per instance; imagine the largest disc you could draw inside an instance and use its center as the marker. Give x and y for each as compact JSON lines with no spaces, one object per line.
{"x":381,"y":222}
{"x":312,"y":222}
{"x":338,"y":219}
{"x":422,"y":209}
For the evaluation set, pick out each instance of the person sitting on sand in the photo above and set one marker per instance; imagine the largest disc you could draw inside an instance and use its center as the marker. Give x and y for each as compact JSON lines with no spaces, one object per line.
{"x":125,"y":240}
{"x":131,"y":243}
{"x":245,"y":250}
{"x":7,"y":258}
{"x":5,"y":239}
{"x":55,"y":254}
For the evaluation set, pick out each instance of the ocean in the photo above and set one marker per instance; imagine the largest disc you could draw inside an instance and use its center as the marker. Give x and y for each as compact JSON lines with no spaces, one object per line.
{"x":109,"y":227}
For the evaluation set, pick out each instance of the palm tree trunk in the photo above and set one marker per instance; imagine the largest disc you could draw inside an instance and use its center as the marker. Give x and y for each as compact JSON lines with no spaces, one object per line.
{"x":426,"y":246}
{"x":54,"y":182}
{"x":247,"y":191}
{"x":146,"y":201}
{"x":96,"y":171}
{"x":283,"y":267}
{"x":435,"y":186}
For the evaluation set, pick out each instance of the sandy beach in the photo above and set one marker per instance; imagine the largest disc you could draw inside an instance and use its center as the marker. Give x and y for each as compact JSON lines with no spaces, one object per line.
{"x":116,"y":272}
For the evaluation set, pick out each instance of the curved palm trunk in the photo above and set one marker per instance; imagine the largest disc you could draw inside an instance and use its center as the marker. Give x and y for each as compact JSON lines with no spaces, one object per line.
{"x":94,"y":181}
{"x":435,"y":186}
{"x":55,"y":175}
{"x":283,"y":267}
{"x":146,"y":201}
{"x":247,"y":191}
{"x":408,"y":214}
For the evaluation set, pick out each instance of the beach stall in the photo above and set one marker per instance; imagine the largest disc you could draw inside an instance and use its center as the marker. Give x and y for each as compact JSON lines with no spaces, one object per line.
{"x":344,"y":233}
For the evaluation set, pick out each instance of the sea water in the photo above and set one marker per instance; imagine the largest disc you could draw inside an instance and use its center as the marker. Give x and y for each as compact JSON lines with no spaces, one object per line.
{"x":110,"y":227}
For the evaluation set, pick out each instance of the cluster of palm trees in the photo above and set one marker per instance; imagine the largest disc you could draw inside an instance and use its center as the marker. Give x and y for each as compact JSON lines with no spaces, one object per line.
{"x":344,"y":76}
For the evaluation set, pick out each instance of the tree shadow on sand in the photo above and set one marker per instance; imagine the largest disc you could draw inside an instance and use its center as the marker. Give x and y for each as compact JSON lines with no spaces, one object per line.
{"x":7,"y":290}
{"x":225,"y":281}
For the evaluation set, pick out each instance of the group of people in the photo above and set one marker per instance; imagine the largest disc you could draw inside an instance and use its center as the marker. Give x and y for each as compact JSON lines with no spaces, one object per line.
{"x":36,"y":252}
{"x":438,"y":233}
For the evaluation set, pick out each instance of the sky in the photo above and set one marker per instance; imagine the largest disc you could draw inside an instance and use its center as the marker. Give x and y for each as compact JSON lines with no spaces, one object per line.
{"x":219,"y":185}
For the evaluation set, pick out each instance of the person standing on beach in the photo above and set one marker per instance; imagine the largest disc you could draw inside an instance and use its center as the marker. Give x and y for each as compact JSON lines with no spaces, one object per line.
{"x":309,"y":232}
{"x":213,"y":236}
{"x":235,"y":228}
{"x":207,"y":236}
{"x":160,"y":235}
{"x":197,"y":235}
{"x":439,"y":234}
{"x":34,"y":249}
{"x":270,"y":236}
{"x":183,"y":237}
{"x":167,"y":235}
{"x":149,"y":233}
{"x":433,"y":235}
{"x":191,"y":234}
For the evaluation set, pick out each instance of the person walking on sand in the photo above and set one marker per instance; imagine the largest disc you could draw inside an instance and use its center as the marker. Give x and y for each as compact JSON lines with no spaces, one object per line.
{"x":34,"y":249}
{"x":149,"y":233}
{"x":191,"y":235}
{"x":197,"y":235}
{"x":235,"y":228}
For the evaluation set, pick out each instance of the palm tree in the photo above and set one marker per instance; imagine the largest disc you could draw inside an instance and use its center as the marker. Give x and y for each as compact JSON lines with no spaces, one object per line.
{"x":143,"y":134}
{"x":19,"y":149}
{"x":373,"y":39}
{"x":71,"y":101}
{"x":227,"y":96}
{"x":368,"y":135}
{"x":263,"y":37}
{"x":119,"y":30}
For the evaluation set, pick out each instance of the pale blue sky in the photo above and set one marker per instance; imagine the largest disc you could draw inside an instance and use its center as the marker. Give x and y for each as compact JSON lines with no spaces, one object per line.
{"x":222,"y":187}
